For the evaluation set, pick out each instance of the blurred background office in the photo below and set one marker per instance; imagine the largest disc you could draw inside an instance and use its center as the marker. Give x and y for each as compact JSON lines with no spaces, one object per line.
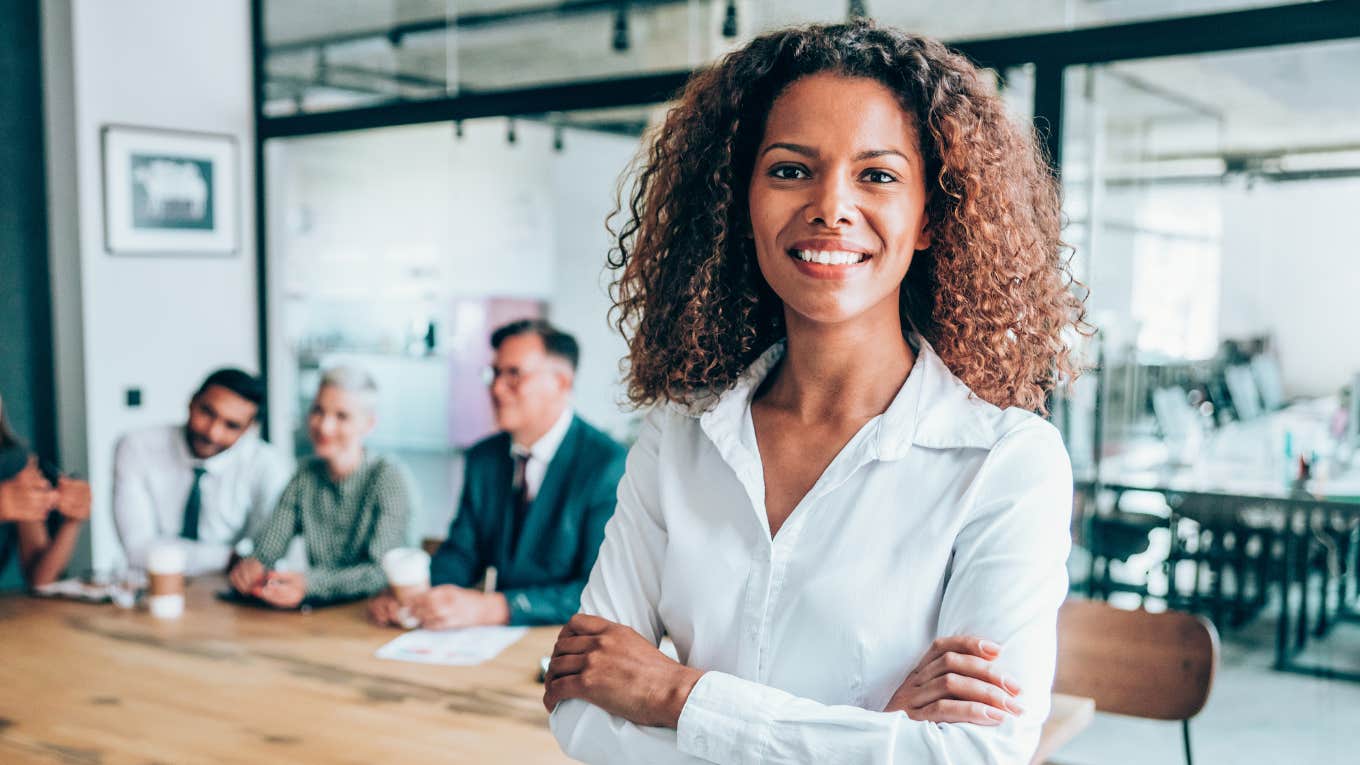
{"x":389,"y":180}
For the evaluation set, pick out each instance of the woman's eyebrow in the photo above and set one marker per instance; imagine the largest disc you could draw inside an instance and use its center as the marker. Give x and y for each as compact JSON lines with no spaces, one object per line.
{"x":876,"y":153}
{"x":796,"y":148}
{"x":808,"y":151}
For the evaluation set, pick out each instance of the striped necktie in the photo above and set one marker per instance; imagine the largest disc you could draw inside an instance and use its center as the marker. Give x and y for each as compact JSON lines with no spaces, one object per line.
{"x":519,"y":493}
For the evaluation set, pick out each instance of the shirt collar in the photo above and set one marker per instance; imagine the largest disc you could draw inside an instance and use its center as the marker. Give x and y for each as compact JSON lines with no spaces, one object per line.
{"x":351,"y":482}
{"x":546,"y":446}
{"x":933,"y":408}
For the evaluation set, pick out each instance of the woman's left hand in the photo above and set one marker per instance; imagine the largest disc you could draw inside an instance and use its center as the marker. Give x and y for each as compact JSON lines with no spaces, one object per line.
{"x":73,"y":498}
{"x":617,"y":670}
{"x":284,"y":589}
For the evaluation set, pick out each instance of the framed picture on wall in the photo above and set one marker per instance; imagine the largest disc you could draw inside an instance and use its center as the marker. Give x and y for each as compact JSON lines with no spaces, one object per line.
{"x":170,"y":192}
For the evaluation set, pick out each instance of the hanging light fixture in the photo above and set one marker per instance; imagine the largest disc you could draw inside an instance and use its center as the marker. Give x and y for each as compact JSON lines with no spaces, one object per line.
{"x":558,"y":137}
{"x":322,"y":66}
{"x":620,"y":42}
{"x":857,"y":10}
{"x":457,"y":128}
{"x":729,"y":28}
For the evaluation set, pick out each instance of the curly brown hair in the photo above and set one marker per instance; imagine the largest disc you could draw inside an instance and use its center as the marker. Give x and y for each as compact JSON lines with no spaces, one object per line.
{"x":991,"y":294}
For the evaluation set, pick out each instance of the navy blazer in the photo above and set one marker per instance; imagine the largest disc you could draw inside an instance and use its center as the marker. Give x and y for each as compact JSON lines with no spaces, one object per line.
{"x":543,"y":578}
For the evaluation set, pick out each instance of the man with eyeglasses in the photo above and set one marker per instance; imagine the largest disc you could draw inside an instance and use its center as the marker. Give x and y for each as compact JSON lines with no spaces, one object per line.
{"x":536,"y":497}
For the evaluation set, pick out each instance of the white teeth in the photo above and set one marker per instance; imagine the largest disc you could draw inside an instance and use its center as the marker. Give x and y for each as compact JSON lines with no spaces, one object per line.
{"x":829,"y":257}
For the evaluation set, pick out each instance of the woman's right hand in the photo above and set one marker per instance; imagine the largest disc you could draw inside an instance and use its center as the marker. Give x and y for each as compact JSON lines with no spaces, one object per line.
{"x":247,"y":576}
{"x":27,"y":496}
{"x":383,"y":610}
{"x":955,"y":683}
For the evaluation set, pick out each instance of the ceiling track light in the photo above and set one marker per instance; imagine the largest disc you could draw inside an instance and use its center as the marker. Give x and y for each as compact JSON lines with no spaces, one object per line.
{"x":620,"y":42}
{"x":510,"y":136}
{"x":322,"y":67}
{"x":558,"y":138}
{"x":457,"y":128}
{"x":858,"y":10}
{"x":729,"y":27}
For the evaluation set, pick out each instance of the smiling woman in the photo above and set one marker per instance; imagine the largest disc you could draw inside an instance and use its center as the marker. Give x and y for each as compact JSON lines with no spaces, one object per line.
{"x":856,"y":541}
{"x":990,"y":293}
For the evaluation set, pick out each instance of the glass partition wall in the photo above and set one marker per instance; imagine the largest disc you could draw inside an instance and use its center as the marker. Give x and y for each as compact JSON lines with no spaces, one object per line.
{"x":323,"y":55}
{"x":1207,"y":201}
{"x":400,"y":249}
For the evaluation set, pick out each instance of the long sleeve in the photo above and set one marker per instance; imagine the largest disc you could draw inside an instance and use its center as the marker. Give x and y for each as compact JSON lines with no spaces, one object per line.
{"x":1008,"y":580}
{"x":134,"y":507}
{"x":556,"y":603}
{"x":459,"y":560}
{"x":271,"y":477}
{"x":391,"y":491}
{"x":282,"y":525}
{"x":624,"y":587}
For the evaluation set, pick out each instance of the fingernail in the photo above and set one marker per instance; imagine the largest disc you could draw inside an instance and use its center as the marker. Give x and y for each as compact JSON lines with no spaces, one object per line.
{"x":993,"y":714}
{"x":1011,"y":686}
{"x":987,"y":646}
{"x":1014,"y":707}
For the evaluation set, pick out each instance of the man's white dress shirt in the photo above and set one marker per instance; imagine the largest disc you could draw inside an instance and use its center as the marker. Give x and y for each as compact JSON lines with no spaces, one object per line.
{"x":153,"y":471}
{"x":542,"y":452}
{"x":942,"y":516}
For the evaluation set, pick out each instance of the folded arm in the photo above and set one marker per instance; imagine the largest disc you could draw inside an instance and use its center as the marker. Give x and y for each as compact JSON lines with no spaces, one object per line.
{"x":1007,"y":580}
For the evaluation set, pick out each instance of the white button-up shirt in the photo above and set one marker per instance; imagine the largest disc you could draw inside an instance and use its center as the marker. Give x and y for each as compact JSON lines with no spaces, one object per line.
{"x":942,"y":516}
{"x":153,"y":471}
{"x":542,"y":452}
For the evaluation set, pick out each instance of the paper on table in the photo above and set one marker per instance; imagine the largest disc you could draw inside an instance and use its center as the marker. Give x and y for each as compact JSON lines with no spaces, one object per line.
{"x":75,"y":590}
{"x":463,"y":647}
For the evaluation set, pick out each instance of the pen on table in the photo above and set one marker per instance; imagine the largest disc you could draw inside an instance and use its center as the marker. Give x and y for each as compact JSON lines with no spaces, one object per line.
{"x":489,"y":581}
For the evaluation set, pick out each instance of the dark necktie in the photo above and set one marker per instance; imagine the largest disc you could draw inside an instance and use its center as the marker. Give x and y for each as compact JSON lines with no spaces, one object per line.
{"x":191,"y":507}
{"x":519,"y":497}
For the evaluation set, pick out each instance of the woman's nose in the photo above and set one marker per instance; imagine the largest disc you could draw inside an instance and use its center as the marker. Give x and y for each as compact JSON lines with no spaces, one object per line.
{"x":833,"y":202}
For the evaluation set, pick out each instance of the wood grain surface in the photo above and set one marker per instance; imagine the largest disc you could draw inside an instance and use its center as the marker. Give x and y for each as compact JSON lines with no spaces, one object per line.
{"x":94,"y":685}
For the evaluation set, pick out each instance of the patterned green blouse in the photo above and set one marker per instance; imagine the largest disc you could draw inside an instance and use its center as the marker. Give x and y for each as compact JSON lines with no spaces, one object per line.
{"x":347,"y":526}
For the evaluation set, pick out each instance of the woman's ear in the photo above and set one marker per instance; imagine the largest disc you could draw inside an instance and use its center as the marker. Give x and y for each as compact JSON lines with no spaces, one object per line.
{"x":924,"y":239}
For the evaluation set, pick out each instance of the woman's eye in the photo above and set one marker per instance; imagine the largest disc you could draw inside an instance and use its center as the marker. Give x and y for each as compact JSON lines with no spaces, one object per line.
{"x":879,"y":176}
{"x":788,"y":173}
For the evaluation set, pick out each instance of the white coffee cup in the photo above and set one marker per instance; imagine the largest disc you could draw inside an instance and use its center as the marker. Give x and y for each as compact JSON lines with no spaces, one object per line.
{"x":165,"y":564}
{"x":408,"y":574}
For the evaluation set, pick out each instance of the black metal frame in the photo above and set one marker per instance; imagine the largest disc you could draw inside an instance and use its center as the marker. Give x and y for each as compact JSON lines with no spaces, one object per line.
{"x":1049,"y":52}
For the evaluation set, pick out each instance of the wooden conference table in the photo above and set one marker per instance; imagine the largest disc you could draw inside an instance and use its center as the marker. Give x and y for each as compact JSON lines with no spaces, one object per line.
{"x":83,"y":683}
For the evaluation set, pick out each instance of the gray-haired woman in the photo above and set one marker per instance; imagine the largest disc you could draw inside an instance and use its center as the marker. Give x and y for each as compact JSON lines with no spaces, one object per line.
{"x":349,"y":505}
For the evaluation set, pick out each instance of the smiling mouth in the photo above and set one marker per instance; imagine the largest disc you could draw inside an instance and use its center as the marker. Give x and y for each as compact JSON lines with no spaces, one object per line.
{"x":829,"y":257}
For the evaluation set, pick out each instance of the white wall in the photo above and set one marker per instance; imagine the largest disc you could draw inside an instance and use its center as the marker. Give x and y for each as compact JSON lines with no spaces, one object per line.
{"x":585,"y":176}
{"x":154,"y":323}
{"x":1291,"y":268}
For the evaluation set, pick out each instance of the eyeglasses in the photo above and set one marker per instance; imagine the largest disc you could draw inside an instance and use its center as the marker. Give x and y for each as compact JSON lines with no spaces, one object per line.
{"x":513,"y":376}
